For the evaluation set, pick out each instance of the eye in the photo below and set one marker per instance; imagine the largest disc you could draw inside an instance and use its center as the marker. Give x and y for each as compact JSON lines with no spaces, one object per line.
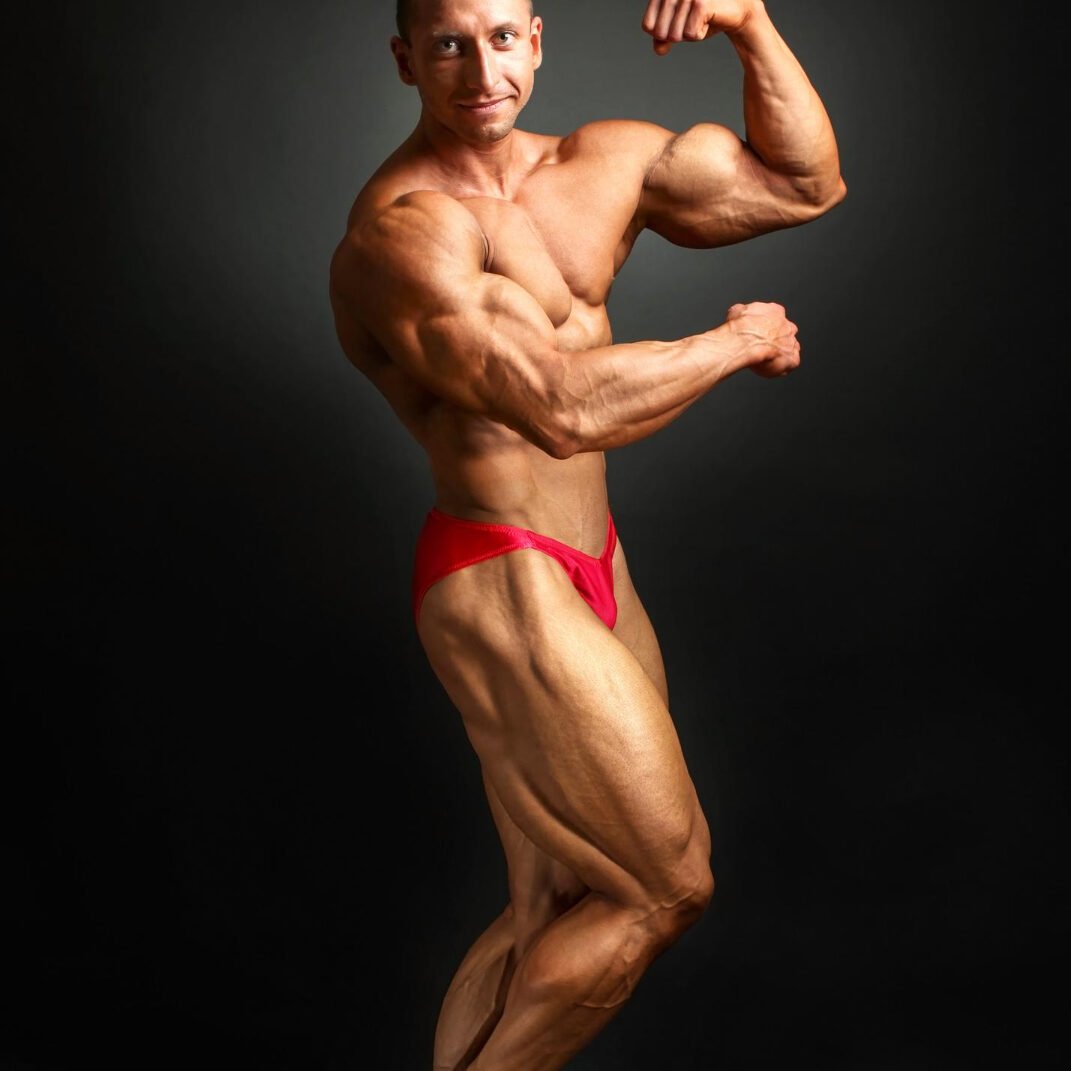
{"x":505,"y":37}
{"x":446,"y":46}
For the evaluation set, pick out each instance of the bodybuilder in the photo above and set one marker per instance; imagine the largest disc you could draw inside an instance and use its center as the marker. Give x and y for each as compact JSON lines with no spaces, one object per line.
{"x":470,"y":287}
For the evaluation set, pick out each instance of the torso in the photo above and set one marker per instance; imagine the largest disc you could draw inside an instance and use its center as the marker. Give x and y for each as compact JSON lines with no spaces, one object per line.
{"x":562,"y":235}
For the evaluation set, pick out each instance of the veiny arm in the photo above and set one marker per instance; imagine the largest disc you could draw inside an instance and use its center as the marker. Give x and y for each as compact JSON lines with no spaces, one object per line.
{"x":706,"y":187}
{"x":413,"y":275}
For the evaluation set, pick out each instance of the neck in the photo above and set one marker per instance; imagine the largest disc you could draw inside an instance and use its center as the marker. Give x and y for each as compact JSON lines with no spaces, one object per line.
{"x":490,"y":169}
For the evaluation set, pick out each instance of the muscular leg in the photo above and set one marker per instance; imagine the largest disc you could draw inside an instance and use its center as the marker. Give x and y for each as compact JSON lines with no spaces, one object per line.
{"x":541,"y":889}
{"x":476,"y":996}
{"x":579,"y":748}
{"x":634,"y":627}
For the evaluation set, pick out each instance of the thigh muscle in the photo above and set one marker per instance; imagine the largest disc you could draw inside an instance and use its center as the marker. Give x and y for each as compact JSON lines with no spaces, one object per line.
{"x":571,"y":731}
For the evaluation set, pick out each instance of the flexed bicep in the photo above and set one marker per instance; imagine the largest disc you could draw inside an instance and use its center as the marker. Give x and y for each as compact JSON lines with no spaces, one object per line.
{"x":706,"y":188}
{"x":414,"y":276}
{"x":709,"y":186}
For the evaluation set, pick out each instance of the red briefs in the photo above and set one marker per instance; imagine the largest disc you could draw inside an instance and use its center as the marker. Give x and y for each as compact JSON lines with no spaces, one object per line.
{"x":448,"y":543}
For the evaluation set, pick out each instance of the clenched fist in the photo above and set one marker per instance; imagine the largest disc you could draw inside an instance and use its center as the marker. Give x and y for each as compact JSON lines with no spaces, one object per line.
{"x":670,"y":21}
{"x":772,"y":348}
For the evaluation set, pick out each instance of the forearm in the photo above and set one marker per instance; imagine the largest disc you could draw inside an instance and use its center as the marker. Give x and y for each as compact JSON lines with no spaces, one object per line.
{"x":786,"y":123}
{"x":614,"y":395}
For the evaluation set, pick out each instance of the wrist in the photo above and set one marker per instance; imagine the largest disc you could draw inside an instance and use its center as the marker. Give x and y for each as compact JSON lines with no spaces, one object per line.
{"x":724,"y":349}
{"x":755,"y":22}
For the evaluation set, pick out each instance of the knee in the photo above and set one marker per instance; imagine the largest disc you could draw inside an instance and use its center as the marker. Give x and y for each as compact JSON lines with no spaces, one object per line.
{"x":690,"y":900}
{"x":685,"y":890}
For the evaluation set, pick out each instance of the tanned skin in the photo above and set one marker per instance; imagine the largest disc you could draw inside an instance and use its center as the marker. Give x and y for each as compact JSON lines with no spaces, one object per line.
{"x":470,"y":287}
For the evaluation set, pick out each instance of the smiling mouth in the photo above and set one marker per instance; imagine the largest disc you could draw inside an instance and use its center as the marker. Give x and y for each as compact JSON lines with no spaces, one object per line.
{"x":484,"y":107}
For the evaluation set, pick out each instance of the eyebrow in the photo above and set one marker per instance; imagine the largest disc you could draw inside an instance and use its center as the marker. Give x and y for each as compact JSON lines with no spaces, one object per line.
{"x":459,"y":36}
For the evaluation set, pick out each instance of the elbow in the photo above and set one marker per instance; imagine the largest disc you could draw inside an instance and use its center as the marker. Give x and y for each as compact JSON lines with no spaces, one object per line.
{"x":553,"y":418}
{"x":837,"y":192}
{"x":561,"y":448}
{"x":824,"y":195}
{"x":555,"y":434}
{"x":530,"y":394}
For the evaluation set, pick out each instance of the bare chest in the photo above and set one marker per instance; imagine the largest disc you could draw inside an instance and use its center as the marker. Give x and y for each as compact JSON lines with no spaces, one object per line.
{"x":563,"y":243}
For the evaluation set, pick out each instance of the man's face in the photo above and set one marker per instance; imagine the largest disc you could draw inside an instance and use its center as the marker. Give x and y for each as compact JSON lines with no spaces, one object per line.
{"x":473,"y":63}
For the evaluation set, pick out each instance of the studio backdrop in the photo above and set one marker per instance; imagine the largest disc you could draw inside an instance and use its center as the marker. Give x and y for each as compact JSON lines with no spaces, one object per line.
{"x":246,"y":828}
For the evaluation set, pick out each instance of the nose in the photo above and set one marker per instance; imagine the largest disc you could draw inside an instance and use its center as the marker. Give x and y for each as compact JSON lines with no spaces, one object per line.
{"x":481,"y":68}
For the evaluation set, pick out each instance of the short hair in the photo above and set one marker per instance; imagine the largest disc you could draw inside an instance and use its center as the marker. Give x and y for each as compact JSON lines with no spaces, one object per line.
{"x":403,"y":10}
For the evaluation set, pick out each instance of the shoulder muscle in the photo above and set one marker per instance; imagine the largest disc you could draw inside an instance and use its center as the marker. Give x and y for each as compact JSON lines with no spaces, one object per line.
{"x":413,"y":273}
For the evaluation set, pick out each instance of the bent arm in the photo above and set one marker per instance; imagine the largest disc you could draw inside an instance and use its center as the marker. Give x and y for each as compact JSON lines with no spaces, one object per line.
{"x":414,"y":277}
{"x":707,"y":187}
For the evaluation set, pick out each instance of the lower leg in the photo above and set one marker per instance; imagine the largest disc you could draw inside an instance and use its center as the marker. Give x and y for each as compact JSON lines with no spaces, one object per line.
{"x":476,"y":995}
{"x":571,"y":981}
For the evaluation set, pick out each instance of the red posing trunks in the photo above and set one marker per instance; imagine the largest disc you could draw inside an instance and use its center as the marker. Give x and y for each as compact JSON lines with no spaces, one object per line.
{"x":448,"y":543}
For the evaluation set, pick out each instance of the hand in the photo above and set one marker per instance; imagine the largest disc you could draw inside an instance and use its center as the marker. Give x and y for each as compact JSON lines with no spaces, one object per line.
{"x":670,"y":21}
{"x":772,"y":346}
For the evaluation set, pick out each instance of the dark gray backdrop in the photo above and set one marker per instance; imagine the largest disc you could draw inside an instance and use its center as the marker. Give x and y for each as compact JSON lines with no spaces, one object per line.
{"x":245,"y":827}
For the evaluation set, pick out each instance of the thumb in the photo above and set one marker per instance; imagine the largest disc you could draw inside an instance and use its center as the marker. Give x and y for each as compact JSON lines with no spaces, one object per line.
{"x":662,"y":47}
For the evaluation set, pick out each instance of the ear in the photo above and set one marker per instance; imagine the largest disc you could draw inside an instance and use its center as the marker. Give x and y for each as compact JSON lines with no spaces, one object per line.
{"x":401,"y":57}
{"x":536,"y":38}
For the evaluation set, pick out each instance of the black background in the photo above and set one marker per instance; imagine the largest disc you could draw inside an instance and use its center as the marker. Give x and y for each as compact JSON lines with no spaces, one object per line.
{"x":245,"y":828}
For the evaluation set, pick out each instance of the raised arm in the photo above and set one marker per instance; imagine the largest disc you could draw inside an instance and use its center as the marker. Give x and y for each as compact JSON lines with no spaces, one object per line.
{"x":705,"y":186}
{"x":414,"y":277}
